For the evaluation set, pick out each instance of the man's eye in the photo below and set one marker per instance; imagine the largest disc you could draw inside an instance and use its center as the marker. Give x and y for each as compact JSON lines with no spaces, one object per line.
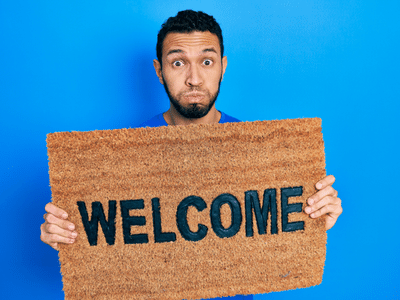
{"x":207,"y":62}
{"x":177,"y":63}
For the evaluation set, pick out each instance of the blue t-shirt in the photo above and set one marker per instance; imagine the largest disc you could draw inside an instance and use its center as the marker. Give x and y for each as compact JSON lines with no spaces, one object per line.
{"x":158,"y":121}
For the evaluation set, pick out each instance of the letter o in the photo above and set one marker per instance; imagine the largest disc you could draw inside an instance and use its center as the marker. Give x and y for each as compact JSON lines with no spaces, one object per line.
{"x":215,"y":215}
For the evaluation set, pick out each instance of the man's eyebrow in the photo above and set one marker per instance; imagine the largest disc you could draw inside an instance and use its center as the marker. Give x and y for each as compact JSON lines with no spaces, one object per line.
{"x":175,"y":51}
{"x":210,"y":50}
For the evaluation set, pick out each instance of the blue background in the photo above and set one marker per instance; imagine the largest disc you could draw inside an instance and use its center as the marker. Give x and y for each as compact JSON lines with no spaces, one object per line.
{"x":86,"y":65}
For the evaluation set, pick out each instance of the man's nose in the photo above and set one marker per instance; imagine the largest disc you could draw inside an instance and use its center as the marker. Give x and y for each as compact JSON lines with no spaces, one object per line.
{"x":194,"y":76}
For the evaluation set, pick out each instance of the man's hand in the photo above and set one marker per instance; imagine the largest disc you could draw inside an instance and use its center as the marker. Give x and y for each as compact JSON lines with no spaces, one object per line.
{"x":56,"y":229}
{"x":325,"y":202}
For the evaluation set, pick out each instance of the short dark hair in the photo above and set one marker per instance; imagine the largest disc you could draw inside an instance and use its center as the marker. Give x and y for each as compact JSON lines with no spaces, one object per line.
{"x":187,"y":21}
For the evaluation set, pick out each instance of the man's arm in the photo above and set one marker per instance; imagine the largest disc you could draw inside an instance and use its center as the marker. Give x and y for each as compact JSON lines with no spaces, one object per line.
{"x":56,"y":229}
{"x":325,"y":202}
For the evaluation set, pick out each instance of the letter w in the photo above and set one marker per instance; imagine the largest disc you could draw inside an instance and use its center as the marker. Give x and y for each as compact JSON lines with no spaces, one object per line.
{"x":91,"y":227}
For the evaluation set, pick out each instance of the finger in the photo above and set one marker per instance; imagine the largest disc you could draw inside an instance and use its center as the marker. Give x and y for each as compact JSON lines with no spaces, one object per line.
{"x":328,"y":191}
{"x":54,"y":238}
{"x":55,"y":229}
{"x":320,"y":212}
{"x":58,"y":212}
{"x":325,"y":202}
{"x":54,"y":246}
{"x":328,"y":180}
{"x":52,"y":219}
{"x":51,"y":239}
{"x":330,"y":210}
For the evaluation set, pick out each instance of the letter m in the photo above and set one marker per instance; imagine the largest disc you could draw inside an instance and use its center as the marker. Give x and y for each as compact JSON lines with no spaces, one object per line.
{"x":252,"y":204}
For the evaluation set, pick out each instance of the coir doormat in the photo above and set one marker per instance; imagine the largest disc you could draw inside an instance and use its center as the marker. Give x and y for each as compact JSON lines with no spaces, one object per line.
{"x":189,"y":212}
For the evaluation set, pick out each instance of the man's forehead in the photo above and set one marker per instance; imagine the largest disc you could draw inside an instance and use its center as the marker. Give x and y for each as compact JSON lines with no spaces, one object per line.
{"x":198,"y":41}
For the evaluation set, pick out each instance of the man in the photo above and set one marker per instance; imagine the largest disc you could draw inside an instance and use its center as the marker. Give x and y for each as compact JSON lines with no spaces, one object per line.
{"x":190,"y":64}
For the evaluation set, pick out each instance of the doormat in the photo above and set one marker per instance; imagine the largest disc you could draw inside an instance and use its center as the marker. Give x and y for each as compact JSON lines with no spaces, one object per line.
{"x":189,"y":212}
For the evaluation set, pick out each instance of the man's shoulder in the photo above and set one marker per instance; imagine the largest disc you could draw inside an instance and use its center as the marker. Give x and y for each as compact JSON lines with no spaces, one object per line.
{"x":155,"y":121}
{"x":227,"y":118}
{"x":158,"y":120}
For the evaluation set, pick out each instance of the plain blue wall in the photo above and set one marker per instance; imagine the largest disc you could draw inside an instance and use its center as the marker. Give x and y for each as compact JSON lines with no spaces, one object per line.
{"x":85,"y":65}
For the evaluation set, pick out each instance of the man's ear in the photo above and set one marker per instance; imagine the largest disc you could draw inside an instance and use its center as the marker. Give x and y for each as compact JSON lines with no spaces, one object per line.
{"x":224,"y":64}
{"x":157,"y":67}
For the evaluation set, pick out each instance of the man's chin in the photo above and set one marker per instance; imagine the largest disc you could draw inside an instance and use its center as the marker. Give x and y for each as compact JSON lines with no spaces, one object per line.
{"x":197,"y":111}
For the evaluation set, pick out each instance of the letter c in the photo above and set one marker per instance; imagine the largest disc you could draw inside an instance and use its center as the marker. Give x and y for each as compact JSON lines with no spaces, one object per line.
{"x":181,"y":219}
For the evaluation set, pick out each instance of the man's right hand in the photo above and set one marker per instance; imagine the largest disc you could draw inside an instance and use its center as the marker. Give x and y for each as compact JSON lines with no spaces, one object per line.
{"x":56,"y":229}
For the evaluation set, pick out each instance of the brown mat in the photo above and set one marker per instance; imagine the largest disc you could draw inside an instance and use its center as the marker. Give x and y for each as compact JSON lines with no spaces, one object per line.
{"x":189,"y":212}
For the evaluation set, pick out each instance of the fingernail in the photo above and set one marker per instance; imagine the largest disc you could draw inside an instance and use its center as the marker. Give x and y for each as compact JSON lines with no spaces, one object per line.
{"x":319,"y":185}
{"x":311,"y":201}
{"x":308,"y":209}
{"x":71,"y":227}
{"x":312,"y":215}
{"x":71,"y":241}
{"x":74,"y":234}
{"x":64,"y":216}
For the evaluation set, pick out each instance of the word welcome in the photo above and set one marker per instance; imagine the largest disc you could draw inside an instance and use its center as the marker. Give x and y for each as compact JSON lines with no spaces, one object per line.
{"x":252,"y":207}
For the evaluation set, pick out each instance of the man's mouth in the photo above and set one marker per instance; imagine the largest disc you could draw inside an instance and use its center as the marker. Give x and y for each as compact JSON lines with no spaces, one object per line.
{"x":194,"y":97}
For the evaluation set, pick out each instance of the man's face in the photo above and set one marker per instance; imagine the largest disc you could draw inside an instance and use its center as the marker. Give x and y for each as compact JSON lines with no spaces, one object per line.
{"x":191,"y":72}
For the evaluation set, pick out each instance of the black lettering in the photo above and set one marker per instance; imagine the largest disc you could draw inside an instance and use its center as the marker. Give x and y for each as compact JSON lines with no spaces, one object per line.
{"x":181,"y":219}
{"x":128,"y":221}
{"x":91,"y":227}
{"x":252,"y":203}
{"x":291,"y":208}
{"x":215,"y":215}
{"x":159,"y":236}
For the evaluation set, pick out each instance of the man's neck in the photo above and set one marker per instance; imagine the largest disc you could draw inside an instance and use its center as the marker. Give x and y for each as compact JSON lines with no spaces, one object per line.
{"x":172,"y":117}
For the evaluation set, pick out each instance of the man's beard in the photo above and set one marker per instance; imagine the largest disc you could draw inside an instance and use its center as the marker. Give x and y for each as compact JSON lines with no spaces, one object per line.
{"x":195,"y":110}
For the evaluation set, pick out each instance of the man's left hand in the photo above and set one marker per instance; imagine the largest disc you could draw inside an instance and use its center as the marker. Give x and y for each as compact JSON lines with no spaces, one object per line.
{"x":325,"y":202}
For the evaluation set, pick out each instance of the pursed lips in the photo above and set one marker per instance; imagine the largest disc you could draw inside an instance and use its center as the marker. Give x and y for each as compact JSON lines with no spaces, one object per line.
{"x":194,"y":96}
